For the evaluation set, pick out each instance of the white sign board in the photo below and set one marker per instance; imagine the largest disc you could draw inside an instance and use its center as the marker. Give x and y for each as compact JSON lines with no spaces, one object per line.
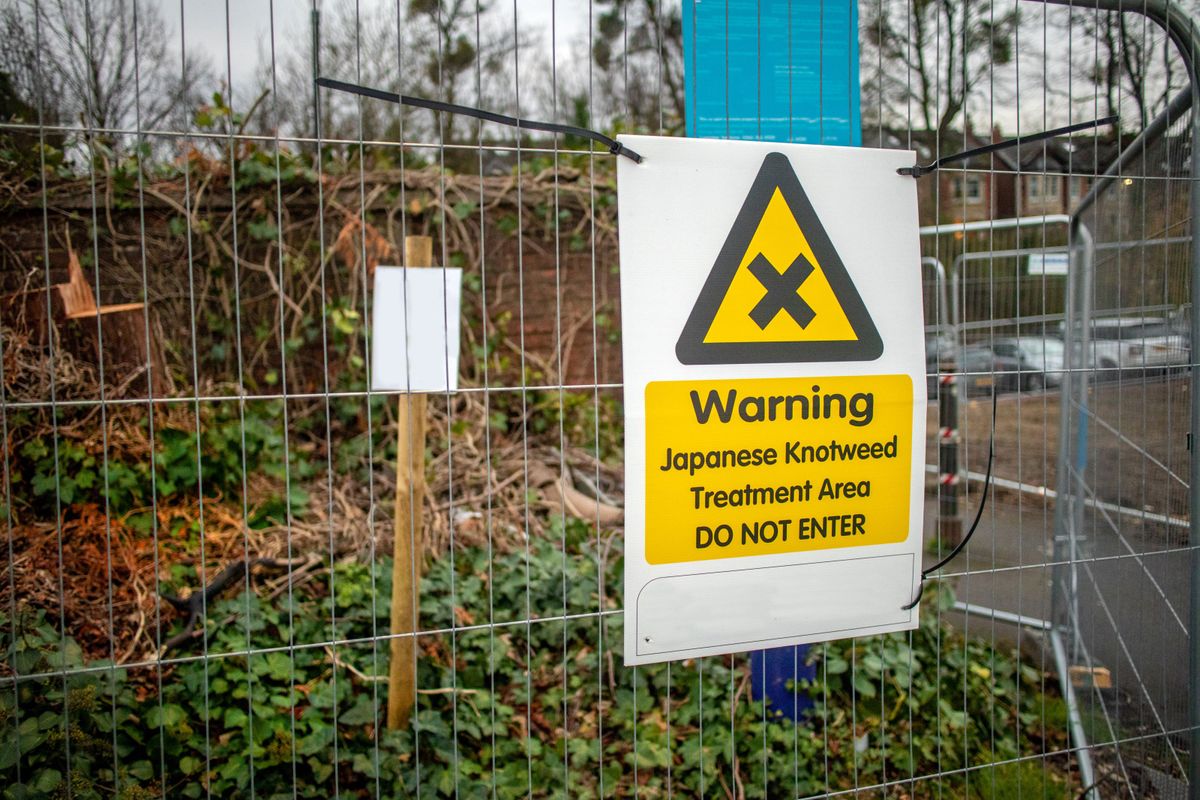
{"x":1047,"y":264}
{"x":774,"y":395}
{"x":415,"y":329}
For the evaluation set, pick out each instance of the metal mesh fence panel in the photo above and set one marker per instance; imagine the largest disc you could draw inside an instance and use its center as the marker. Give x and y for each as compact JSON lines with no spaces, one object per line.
{"x":202,"y":495}
{"x":1119,"y":594}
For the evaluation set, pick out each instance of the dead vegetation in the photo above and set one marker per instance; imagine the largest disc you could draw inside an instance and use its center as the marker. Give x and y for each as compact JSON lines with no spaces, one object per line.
{"x":277,"y":314}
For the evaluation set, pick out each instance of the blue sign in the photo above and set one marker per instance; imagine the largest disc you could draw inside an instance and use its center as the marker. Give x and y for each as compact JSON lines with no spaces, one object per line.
{"x":772,"y":70}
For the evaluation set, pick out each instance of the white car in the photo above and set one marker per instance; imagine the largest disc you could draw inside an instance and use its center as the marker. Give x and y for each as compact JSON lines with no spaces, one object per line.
{"x":1127,"y":343}
{"x":1041,"y":359}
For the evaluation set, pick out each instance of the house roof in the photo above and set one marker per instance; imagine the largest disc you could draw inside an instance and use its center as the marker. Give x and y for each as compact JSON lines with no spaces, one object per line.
{"x":931,"y":145}
{"x":1082,"y":154}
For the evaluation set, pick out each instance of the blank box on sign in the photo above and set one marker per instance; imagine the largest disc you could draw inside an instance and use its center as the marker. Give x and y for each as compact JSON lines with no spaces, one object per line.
{"x":415,"y":329}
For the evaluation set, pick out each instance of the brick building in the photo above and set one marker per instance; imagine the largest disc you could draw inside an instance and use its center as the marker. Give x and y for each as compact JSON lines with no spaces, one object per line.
{"x":1047,"y":177}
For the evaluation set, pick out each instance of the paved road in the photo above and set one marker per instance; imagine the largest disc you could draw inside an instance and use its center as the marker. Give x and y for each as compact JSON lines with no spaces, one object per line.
{"x":1132,"y":609}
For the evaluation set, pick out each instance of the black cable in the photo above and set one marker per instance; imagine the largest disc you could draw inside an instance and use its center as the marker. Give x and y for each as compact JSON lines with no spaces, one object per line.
{"x":614,"y":147}
{"x":918,"y":170}
{"x":1112,"y":773}
{"x":196,"y":603}
{"x":917,"y":599}
{"x":618,"y":149}
{"x":987,"y":484}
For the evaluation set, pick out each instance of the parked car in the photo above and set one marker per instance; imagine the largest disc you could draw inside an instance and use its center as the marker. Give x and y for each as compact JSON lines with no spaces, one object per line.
{"x":1041,"y":359}
{"x":982,"y":369}
{"x":1117,"y":344}
{"x":1145,"y":342}
{"x":978,"y":368}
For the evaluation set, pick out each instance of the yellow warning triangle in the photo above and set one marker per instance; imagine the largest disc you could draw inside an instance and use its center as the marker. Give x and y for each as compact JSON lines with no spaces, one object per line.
{"x":779,"y":239}
{"x":778,"y":291}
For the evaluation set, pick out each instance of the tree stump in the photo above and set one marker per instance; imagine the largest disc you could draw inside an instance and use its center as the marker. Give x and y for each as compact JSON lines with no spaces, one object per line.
{"x":114,"y":336}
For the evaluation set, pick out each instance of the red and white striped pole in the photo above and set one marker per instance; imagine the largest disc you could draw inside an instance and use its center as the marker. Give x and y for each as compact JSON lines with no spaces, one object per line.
{"x":949,"y":517}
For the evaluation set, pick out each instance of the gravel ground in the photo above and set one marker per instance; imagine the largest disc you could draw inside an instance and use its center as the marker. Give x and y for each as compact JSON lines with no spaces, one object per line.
{"x":1137,"y":440}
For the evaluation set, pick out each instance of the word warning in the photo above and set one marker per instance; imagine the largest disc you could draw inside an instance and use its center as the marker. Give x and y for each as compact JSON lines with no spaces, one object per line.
{"x":773,"y":351}
{"x":755,"y":467}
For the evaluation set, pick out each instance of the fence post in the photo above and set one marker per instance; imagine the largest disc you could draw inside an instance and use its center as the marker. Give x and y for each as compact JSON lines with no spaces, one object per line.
{"x":949,"y":519}
{"x":1194,"y":474}
{"x":406,"y":563}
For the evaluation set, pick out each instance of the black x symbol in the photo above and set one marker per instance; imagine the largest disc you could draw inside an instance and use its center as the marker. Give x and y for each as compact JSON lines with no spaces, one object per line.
{"x":781,"y":291}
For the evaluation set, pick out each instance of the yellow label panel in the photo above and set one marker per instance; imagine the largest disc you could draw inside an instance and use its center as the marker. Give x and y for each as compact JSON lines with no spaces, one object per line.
{"x":776,"y":465}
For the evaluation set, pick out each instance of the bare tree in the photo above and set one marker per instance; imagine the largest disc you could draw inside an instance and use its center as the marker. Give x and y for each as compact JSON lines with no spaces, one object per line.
{"x":451,"y":33}
{"x":34,"y":90}
{"x":637,"y":47}
{"x":934,"y":54}
{"x":356,"y":46}
{"x":1126,"y":59}
{"x":459,"y":51}
{"x":100,"y":64}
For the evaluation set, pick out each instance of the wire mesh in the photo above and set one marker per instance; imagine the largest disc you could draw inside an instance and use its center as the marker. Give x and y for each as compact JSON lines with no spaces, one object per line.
{"x":190,"y":234}
{"x":1131,"y":326}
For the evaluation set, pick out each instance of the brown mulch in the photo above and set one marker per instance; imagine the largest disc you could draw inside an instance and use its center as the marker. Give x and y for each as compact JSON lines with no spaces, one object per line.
{"x":99,"y":576}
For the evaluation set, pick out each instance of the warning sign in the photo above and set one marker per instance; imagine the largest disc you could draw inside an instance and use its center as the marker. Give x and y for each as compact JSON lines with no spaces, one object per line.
{"x":756,"y":467}
{"x":778,"y":291}
{"x":772,"y":328}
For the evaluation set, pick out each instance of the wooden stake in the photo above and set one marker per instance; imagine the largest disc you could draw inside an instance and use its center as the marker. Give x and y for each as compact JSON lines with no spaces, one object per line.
{"x":410,"y":498}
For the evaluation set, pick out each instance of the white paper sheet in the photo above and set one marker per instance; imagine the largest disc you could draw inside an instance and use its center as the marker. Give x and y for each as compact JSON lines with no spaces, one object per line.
{"x":415,"y":329}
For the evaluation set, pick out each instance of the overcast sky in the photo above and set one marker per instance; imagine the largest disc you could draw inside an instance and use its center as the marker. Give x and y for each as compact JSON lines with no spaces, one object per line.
{"x":246,"y":40}
{"x":244,"y":44}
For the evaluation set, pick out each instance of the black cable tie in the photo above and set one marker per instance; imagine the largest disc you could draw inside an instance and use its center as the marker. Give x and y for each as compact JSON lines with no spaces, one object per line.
{"x":987,"y":484}
{"x":614,"y":147}
{"x":918,"y":170}
{"x":917,"y":599}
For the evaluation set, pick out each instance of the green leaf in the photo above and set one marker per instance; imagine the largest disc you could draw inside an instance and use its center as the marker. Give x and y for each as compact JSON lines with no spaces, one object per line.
{"x":47,"y":780}
{"x":35,"y":449}
{"x":864,"y":685}
{"x":278,"y":666}
{"x":835,"y":665}
{"x":44,"y":483}
{"x":445,"y":782}
{"x":507,"y":225}
{"x":263,"y":230}
{"x":361,"y":713}
{"x":10,"y":751}
{"x":167,"y":715}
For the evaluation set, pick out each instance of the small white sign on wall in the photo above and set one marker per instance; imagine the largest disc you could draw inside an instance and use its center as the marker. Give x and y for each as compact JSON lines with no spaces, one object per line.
{"x":1047,"y":264}
{"x":415,"y":329}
